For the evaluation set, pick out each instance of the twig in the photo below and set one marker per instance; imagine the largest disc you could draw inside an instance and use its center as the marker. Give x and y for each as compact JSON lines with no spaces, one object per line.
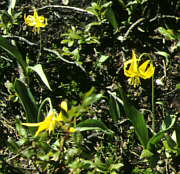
{"x":20,"y":39}
{"x":67,"y":61}
{"x":45,"y":49}
{"x":58,"y":55}
{"x":66,"y":7}
{"x":131,"y":27}
{"x":164,"y":16}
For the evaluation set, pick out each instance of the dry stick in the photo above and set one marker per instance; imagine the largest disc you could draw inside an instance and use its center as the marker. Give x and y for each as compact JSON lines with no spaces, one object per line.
{"x":45,"y":49}
{"x":66,"y":7}
{"x":131,"y":27}
{"x":164,"y":16}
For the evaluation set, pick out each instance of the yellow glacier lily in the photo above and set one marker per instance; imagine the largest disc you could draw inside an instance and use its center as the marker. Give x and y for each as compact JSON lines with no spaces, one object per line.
{"x":63,"y":120}
{"x":52,"y":120}
{"x":61,"y":116}
{"x":48,"y":124}
{"x":135,"y":72}
{"x":35,"y":21}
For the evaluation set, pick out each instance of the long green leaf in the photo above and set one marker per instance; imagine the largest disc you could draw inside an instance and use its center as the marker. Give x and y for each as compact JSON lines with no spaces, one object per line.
{"x":137,"y":119}
{"x":12,"y":50}
{"x":93,"y":124}
{"x":27,"y":101}
{"x":114,"y":109}
{"x":166,"y":125}
{"x":110,"y":15}
{"x":39,"y":70}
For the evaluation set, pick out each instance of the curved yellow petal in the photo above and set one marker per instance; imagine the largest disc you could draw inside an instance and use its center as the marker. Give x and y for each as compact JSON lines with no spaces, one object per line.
{"x":48,"y":124}
{"x":40,"y":129}
{"x":35,"y":13}
{"x":132,"y":71}
{"x":64,"y":106}
{"x":146,"y":70}
{"x":71,"y":130}
{"x":31,"y":124}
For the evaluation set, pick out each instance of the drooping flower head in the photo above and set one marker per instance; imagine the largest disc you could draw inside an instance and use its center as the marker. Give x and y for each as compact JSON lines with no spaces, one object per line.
{"x":63,"y":118}
{"x":35,"y":21}
{"x":135,"y":72}
{"x":48,"y":124}
{"x":52,"y":120}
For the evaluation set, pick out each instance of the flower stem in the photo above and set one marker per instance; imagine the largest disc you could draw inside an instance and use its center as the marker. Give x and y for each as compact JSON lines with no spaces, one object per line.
{"x":153,"y":106}
{"x":40,"y":48}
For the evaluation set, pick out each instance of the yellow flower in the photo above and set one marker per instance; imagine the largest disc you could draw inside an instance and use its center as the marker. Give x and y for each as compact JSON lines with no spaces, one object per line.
{"x":35,"y":21}
{"x":145,"y":70}
{"x":48,"y":124}
{"x":52,"y":120}
{"x":63,"y":119}
{"x":61,"y":116}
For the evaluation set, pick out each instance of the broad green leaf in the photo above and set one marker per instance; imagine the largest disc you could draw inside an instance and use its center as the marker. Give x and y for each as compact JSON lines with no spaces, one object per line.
{"x":121,"y":3}
{"x":12,"y":50}
{"x":137,"y":119}
{"x":39,"y":70}
{"x":167,"y":33}
{"x":146,"y":154}
{"x":21,"y":130}
{"x":12,"y":145}
{"x":178,"y":86}
{"x":114,"y":109}
{"x":11,"y":6}
{"x":166,"y":125}
{"x":116,"y":166}
{"x":27,"y":101}
{"x":28,"y":153}
{"x":177,"y":134}
{"x":93,"y":124}
{"x":103,"y":58}
{"x":110,"y":15}
{"x":163,"y":53}
{"x":90,"y":97}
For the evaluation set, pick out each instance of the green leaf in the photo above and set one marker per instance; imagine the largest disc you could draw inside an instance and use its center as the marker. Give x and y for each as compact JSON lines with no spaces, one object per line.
{"x":177,"y":134}
{"x":102,"y":59}
{"x":167,"y":33}
{"x":166,"y":125}
{"x":12,"y":50}
{"x":146,"y":154}
{"x":12,"y":145}
{"x":39,"y":70}
{"x":11,"y":6}
{"x":27,"y":100}
{"x":114,"y":109}
{"x":116,"y":166}
{"x":21,"y":130}
{"x":93,"y":124}
{"x":163,"y":53}
{"x":28,"y":153}
{"x":178,"y":86}
{"x":90,"y":97}
{"x":110,"y":15}
{"x":137,"y":119}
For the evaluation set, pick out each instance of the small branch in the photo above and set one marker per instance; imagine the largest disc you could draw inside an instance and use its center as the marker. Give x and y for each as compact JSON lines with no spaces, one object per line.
{"x":58,"y":55}
{"x":66,"y":7}
{"x":164,"y":16}
{"x":45,"y":49}
{"x":131,"y":27}
{"x":20,"y":39}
